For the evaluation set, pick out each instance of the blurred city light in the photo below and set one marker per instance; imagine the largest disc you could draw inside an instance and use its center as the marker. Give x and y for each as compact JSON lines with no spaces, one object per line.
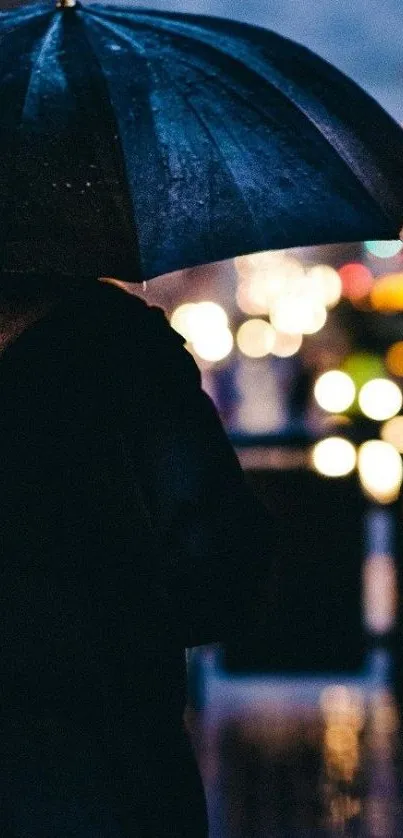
{"x":343,"y":710}
{"x":363,"y":367}
{"x":383,"y":249}
{"x":205,"y":326}
{"x":252,"y":263}
{"x":380,"y":470}
{"x":387,"y":293}
{"x":213,"y":346}
{"x":392,"y":432}
{"x":326,"y":283}
{"x":380,"y":595}
{"x":208,"y":315}
{"x":394,"y":359}
{"x":342,"y":704}
{"x":334,"y":457}
{"x":380,"y":399}
{"x":251,"y":297}
{"x":298,"y":314}
{"x":286,"y":345}
{"x":334,"y":391}
{"x":181,"y":319}
{"x":256,"y":338}
{"x":356,"y":280}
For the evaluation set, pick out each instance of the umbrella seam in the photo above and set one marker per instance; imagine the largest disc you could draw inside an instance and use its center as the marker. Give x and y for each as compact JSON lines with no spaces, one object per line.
{"x":171,"y":25}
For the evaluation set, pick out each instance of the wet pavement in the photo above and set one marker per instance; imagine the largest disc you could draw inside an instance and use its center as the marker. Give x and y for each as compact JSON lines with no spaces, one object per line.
{"x":299,"y":756}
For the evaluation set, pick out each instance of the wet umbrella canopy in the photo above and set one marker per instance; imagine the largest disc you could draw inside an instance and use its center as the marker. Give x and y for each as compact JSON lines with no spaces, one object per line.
{"x":134,"y":143}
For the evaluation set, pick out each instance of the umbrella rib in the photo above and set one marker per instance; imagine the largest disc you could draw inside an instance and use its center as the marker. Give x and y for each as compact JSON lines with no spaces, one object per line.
{"x":203,"y":122}
{"x":35,"y":71}
{"x":183,"y":28}
{"x":206,"y":128}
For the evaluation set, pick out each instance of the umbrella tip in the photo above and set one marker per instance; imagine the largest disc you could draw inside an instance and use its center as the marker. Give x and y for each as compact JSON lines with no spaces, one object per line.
{"x":66,"y":4}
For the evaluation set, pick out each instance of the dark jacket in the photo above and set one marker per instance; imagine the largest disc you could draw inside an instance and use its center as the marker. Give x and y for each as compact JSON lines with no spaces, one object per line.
{"x":126,"y":535}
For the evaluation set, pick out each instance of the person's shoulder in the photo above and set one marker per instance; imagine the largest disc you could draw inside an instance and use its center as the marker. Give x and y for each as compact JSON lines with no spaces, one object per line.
{"x":143,"y":332}
{"x":124,"y":312}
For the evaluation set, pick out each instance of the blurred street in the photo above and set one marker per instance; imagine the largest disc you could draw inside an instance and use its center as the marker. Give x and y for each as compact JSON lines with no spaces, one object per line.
{"x":300,"y":756}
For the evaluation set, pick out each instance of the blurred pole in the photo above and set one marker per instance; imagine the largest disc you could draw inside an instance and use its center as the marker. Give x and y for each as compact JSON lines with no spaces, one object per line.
{"x":380,"y":580}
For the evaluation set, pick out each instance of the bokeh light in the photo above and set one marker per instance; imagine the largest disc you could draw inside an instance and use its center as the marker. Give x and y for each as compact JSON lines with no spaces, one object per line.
{"x":298,"y":314}
{"x":380,"y":595}
{"x":326,"y":284}
{"x":341,"y":704}
{"x":394,"y":359}
{"x":252,"y":263}
{"x":256,"y":338}
{"x":334,"y":456}
{"x":285,"y":345}
{"x":181,"y":319}
{"x":356,"y":280}
{"x":334,"y":391}
{"x":380,"y":470}
{"x":208,"y":315}
{"x":392,"y":432}
{"x":251,"y":297}
{"x":363,"y":367}
{"x":387,"y":293}
{"x":384,"y":249}
{"x":380,"y":399}
{"x":213,"y":346}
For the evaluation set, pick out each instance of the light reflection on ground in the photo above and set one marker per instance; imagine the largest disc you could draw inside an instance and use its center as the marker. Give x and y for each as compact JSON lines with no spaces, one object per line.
{"x":304,"y":757}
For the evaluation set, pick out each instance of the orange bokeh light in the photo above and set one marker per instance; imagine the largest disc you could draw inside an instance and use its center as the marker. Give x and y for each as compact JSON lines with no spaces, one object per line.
{"x":394,"y":359}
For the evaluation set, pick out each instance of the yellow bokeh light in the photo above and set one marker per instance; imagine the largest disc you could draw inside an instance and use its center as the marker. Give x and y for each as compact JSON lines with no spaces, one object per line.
{"x":380,"y":470}
{"x":285,"y":345}
{"x":392,"y":432}
{"x":380,"y":399}
{"x":326,"y":283}
{"x":334,"y":391}
{"x":209,"y":315}
{"x":253,"y":263}
{"x":251,"y":297}
{"x":213,"y":345}
{"x":256,"y":338}
{"x":295,"y":314}
{"x":394,"y":359}
{"x":181,"y":319}
{"x":334,"y":456}
{"x":194,"y":319}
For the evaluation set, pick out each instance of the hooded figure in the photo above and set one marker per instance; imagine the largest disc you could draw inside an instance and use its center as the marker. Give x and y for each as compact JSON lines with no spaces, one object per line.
{"x":127,"y":533}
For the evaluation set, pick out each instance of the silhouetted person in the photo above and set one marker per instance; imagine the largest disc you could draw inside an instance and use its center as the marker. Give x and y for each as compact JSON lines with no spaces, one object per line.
{"x":127,"y":533}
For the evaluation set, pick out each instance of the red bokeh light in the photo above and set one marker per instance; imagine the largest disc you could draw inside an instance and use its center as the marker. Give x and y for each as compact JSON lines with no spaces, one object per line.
{"x":356,"y":280}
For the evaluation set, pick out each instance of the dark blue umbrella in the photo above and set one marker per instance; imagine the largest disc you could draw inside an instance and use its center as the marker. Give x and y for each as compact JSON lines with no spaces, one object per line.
{"x":134,"y":143}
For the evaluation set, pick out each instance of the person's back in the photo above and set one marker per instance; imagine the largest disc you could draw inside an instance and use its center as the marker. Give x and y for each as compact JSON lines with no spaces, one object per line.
{"x":111,"y":564}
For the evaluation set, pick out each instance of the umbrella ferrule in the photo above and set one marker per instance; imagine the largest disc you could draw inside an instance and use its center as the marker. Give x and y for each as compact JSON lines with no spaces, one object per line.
{"x":66,"y":4}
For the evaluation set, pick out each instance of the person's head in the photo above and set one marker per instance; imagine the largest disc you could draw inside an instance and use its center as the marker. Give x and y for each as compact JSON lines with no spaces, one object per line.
{"x":25,"y":299}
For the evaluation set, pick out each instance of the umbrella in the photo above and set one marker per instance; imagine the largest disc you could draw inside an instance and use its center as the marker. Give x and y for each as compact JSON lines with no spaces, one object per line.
{"x":134,"y":143}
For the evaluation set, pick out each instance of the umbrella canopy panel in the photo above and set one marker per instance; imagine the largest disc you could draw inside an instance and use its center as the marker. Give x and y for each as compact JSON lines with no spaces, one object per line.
{"x":135,"y":143}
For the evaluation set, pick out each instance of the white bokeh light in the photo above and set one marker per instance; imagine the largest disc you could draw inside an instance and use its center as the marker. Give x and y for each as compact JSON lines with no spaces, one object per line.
{"x":334,"y":391}
{"x":334,"y":456}
{"x":256,"y":338}
{"x":392,"y":432}
{"x":285,"y":345}
{"x":380,"y":399}
{"x":325,"y":283}
{"x":298,"y":314}
{"x":181,"y":319}
{"x":380,"y":470}
{"x":213,"y":346}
